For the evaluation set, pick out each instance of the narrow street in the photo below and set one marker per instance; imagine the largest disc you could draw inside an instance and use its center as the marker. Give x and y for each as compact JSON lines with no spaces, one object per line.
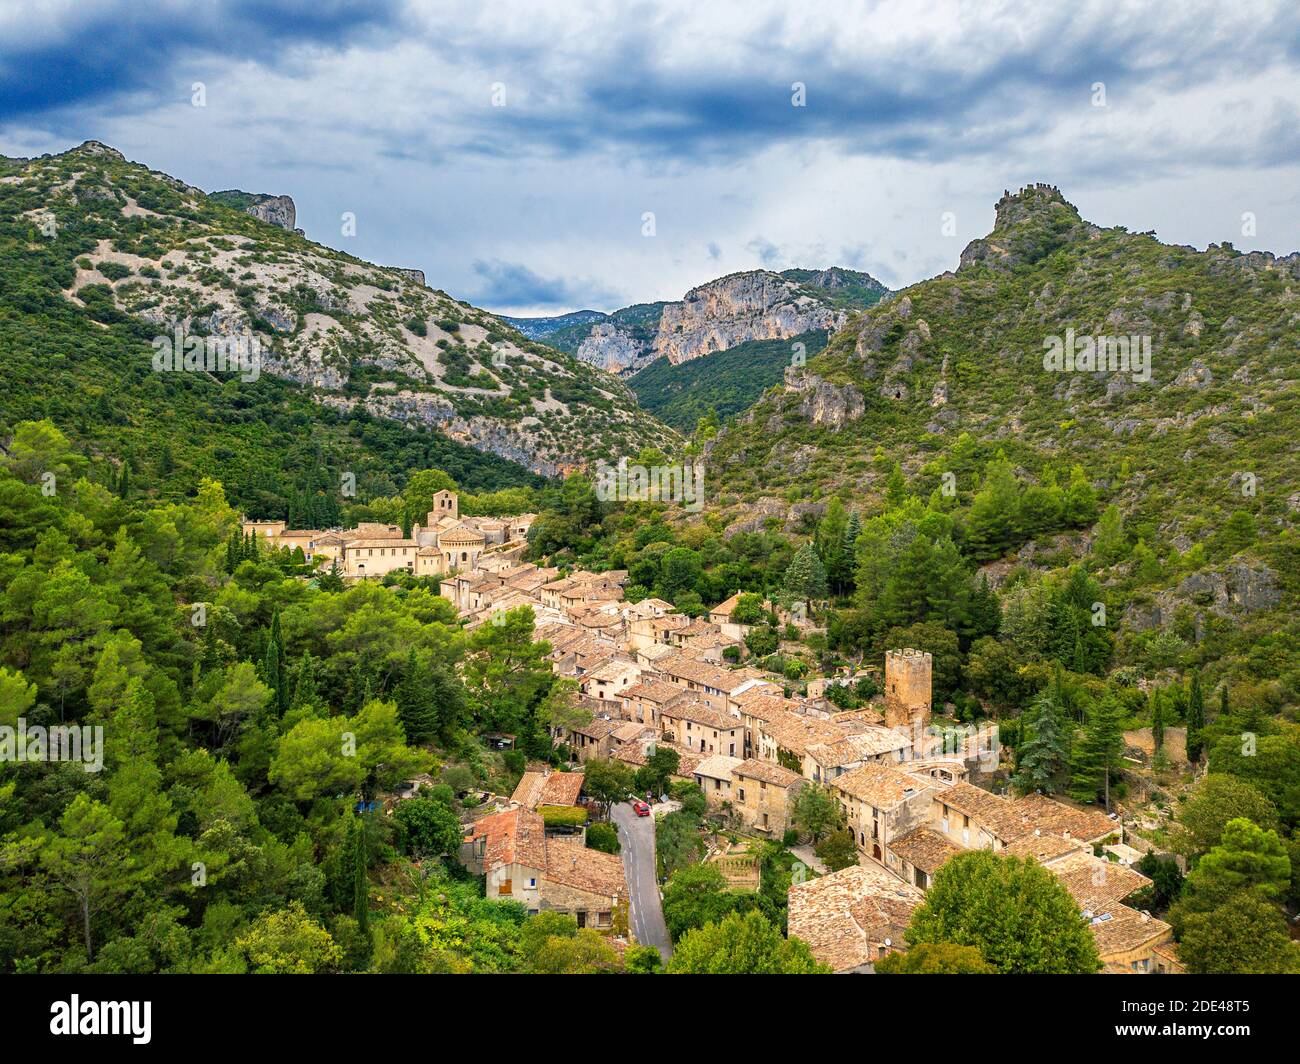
{"x":636,"y":835}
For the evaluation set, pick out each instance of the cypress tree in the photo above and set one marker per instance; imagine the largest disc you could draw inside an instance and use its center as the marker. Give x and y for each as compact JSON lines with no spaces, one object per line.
{"x":304,"y":687}
{"x":1157,"y":720}
{"x":273,"y":673}
{"x":1195,"y":719}
{"x":360,"y":887}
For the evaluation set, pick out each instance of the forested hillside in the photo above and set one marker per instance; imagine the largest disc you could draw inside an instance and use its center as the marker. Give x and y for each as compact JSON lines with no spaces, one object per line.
{"x":95,"y":244}
{"x":719,"y":385}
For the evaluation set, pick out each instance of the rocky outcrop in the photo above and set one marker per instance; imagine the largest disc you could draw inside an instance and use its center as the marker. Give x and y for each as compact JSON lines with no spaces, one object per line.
{"x":743,"y":306}
{"x":824,"y":403}
{"x":613,"y":350}
{"x":275,"y":210}
{"x":1238,"y":587}
{"x":753,"y":305}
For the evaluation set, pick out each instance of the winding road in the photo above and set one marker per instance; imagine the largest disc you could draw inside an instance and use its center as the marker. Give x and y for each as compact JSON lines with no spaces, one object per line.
{"x":636,"y":836}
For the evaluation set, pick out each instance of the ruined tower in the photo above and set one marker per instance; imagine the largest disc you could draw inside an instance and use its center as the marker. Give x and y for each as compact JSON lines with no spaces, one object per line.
{"x":907,"y":689}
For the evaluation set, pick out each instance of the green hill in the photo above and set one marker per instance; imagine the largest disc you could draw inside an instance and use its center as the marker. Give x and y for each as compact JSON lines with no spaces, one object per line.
{"x":723,"y":383}
{"x":95,"y":239}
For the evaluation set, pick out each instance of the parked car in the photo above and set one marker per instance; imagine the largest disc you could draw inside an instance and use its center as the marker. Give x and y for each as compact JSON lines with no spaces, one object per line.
{"x":640,"y":808}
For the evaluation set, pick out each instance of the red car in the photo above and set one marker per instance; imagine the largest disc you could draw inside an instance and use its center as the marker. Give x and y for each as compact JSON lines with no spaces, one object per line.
{"x":640,"y":808}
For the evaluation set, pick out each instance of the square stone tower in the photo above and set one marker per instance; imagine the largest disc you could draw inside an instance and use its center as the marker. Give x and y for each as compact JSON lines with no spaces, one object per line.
{"x":907,"y":689}
{"x":445,"y":504}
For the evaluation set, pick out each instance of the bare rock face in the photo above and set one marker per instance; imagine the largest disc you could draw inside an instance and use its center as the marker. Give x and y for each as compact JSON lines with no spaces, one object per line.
{"x":96,"y":147}
{"x":609,"y":348}
{"x":824,"y":403}
{"x":415,"y":276}
{"x":1238,"y":587}
{"x":276,"y":210}
{"x":757,"y":305}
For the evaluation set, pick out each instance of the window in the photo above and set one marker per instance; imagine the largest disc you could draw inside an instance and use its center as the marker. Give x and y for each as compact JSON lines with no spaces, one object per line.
{"x":507,"y":887}
{"x":532,"y":884}
{"x":741,"y":792}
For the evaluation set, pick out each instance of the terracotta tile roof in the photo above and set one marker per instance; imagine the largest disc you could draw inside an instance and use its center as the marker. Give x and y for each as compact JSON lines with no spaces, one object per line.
{"x":996,"y":814}
{"x":847,"y":916}
{"x":877,"y":785}
{"x":718,"y":767}
{"x":529,"y":789}
{"x":1094,"y":882}
{"x":571,"y":864}
{"x":462,"y":534}
{"x":873,"y":741}
{"x":1042,"y":848}
{"x":924,"y":848}
{"x":652,"y":689}
{"x":699,"y":672}
{"x":515,"y":836}
{"x":562,"y":788}
{"x":634,"y":754}
{"x":597,"y":729}
{"x":632,"y":731}
{"x":1049,"y":815}
{"x":1120,"y":930}
{"x":796,"y":732}
{"x":699,"y":713}
{"x":763,"y":703}
{"x":766,"y":772}
{"x":727,"y":606}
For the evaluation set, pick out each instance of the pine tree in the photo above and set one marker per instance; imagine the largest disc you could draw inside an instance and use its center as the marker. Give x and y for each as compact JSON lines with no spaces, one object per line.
{"x":416,"y":701}
{"x":331,"y":581}
{"x":1097,"y":754}
{"x":895,"y":487}
{"x":1195,"y":719}
{"x":1045,"y":754}
{"x":805,"y":579}
{"x":232,"y":553}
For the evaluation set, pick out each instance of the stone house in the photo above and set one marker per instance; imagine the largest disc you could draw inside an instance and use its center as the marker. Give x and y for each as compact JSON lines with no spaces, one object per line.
{"x":763,"y":794}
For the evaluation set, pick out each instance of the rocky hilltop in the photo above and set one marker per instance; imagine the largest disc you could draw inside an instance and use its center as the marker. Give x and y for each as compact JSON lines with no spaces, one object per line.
{"x":274,"y":210}
{"x":952,"y":371}
{"x":753,"y":305}
{"x":356,"y":334}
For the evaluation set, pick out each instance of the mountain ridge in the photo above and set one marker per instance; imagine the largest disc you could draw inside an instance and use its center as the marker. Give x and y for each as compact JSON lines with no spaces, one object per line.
{"x":739,"y":307}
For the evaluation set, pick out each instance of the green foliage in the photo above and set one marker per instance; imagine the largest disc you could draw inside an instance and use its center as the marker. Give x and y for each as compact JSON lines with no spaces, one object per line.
{"x":722,"y":383}
{"x":1015,"y":912}
{"x":603,"y":837}
{"x":938,"y":958}
{"x":741,"y":945}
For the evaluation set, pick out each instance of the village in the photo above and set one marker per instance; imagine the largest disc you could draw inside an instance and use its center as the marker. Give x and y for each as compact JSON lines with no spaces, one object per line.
{"x":914,"y":788}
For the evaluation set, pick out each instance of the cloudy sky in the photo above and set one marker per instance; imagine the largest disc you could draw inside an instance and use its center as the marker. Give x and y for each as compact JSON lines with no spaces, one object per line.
{"x":513,"y":150}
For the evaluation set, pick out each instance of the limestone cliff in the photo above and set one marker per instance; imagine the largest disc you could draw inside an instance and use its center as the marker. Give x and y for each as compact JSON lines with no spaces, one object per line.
{"x":757,"y":305}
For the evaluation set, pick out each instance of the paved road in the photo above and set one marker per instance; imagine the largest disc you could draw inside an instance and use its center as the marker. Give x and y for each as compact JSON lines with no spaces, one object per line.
{"x":636,"y":834}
